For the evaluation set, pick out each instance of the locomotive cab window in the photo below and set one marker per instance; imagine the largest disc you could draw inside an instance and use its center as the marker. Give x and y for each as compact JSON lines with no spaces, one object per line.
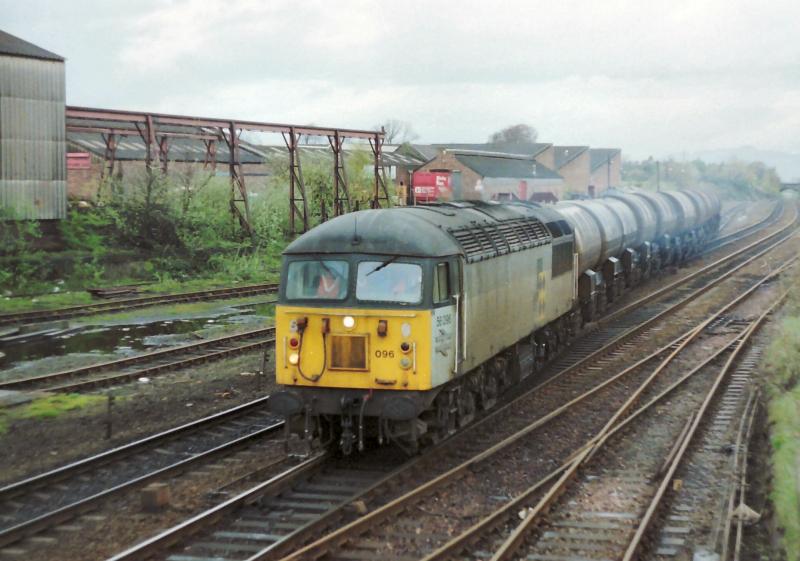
{"x":387,"y":281}
{"x":317,"y":280}
{"x":441,"y":283}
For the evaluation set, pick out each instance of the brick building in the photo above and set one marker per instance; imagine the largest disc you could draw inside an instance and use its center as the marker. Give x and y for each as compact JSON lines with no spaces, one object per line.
{"x":494,"y":175}
{"x":606,"y":168}
{"x":573,"y":163}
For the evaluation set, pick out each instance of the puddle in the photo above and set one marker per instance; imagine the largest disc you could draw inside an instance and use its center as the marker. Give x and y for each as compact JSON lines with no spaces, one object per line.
{"x":117,"y":339}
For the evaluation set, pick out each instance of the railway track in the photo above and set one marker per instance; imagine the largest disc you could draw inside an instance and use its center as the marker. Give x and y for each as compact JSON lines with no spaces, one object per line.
{"x":583,"y":517}
{"x":745,"y":231}
{"x":42,"y":501}
{"x":147,"y":364}
{"x":126,"y":304}
{"x":270,"y":521}
{"x":686,"y":510}
{"x":448,"y":516}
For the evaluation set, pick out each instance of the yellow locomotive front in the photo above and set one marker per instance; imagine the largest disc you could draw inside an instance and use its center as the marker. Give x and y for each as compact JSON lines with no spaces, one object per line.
{"x":363,"y":336}
{"x":323,"y":340}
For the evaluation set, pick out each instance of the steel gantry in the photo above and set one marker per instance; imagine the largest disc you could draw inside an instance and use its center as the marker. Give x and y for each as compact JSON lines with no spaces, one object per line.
{"x":156,"y":130}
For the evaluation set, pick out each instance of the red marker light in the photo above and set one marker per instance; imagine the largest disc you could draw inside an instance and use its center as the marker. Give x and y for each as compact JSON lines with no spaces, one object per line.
{"x":293,"y":343}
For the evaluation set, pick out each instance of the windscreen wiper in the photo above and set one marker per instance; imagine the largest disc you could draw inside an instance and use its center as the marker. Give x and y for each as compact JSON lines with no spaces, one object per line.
{"x":382,"y":265}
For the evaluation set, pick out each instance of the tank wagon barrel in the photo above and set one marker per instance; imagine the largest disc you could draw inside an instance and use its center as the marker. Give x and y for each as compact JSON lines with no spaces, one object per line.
{"x":646,"y":220}
{"x":685,"y":208}
{"x":400,"y":324}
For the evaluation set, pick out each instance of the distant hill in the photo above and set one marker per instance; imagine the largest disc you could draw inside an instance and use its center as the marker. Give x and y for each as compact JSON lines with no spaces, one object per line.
{"x":786,"y":163}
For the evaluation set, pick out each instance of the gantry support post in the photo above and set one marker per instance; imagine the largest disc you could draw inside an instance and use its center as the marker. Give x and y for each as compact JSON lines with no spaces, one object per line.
{"x":109,"y":155}
{"x":238,"y":187}
{"x":298,"y":205}
{"x":150,"y":144}
{"x":163,"y":154}
{"x":109,"y":159}
{"x":341,"y":195}
{"x":211,"y":155}
{"x":380,"y":190}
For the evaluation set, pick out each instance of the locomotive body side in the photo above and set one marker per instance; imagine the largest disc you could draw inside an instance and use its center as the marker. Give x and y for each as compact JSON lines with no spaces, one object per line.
{"x":482,"y":278}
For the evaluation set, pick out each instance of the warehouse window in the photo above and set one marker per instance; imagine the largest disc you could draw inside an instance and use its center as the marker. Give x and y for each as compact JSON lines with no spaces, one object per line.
{"x":441,"y":283}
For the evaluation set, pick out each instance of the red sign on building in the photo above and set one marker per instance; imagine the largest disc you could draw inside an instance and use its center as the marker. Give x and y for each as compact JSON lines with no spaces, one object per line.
{"x":432,"y":185}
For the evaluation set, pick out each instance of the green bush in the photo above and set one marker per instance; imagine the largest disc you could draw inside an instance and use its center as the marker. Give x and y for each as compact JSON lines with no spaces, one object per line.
{"x":740,"y":179}
{"x":177,"y":227}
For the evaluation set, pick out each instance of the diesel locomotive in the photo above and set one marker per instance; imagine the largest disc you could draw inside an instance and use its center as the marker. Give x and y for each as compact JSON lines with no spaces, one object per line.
{"x":400,"y":324}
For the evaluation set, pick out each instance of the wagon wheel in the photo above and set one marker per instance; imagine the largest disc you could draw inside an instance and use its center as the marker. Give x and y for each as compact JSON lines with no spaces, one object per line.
{"x":489,"y":390}
{"x":441,"y":422}
{"x":466,"y":407}
{"x":512,"y":374}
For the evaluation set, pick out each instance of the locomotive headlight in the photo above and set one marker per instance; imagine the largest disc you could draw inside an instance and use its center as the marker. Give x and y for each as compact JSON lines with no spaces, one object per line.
{"x":405,"y":363}
{"x":294,"y":358}
{"x":349,"y":322}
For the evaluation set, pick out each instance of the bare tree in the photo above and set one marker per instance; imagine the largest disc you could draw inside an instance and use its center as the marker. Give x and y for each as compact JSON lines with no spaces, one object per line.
{"x":514,"y":134}
{"x":397,"y":131}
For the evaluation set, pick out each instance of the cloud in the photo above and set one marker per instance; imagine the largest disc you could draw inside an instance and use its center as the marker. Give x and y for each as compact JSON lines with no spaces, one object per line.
{"x":650,"y":77}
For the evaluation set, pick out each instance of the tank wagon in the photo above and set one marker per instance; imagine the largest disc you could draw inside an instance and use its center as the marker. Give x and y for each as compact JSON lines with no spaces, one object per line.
{"x":400,"y":324}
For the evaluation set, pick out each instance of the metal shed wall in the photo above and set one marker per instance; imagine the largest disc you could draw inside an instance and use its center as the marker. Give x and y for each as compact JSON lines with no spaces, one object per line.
{"x":33,"y":175}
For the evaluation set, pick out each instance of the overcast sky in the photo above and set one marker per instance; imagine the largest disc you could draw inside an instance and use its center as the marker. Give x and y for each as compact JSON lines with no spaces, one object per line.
{"x":650,"y":77}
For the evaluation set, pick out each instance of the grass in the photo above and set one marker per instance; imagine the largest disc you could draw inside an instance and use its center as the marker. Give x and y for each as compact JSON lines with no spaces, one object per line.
{"x":783,"y":390}
{"x":784,"y":414}
{"x":166,"y":285}
{"x":183,"y":310}
{"x":44,"y":301}
{"x":48,"y":407}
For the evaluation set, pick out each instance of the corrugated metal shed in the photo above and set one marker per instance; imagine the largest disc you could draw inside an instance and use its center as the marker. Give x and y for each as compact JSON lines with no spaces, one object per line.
{"x":32,"y":131}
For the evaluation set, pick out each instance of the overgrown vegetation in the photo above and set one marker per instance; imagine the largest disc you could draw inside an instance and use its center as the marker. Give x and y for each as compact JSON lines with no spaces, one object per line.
{"x":49,"y":407}
{"x":166,"y":230}
{"x":740,"y":179}
{"x":782,"y":364}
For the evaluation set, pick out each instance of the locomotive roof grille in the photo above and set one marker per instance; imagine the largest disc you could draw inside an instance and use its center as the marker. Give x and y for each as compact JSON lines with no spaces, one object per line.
{"x":486,"y":241}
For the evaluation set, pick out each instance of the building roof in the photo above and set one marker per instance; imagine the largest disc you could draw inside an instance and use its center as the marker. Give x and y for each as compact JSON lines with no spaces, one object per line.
{"x":390,"y":155}
{"x":425,"y":152}
{"x":14,"y":46}
{"x":601,"y":156}
{"x":529,"y":149}
{"x":565,"y":154}
{"x":132,"y":148}
{"x":453,"y":228}
{"x":488,"y":164}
